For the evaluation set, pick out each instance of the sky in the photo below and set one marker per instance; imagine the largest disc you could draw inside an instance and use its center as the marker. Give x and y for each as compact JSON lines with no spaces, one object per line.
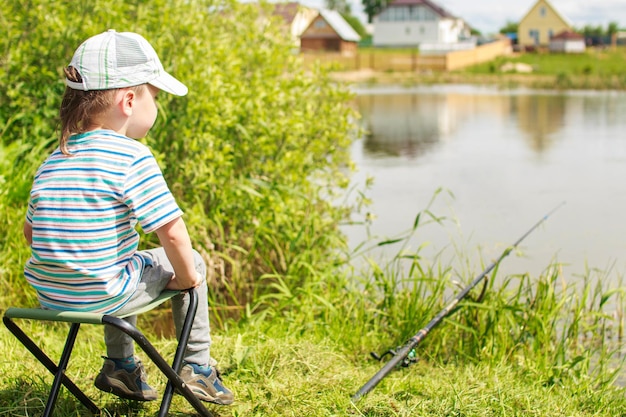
{"x":488,"y":16}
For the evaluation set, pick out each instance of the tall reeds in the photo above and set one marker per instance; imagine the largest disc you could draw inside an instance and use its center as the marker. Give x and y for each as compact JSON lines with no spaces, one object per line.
{"x":553,"y":327}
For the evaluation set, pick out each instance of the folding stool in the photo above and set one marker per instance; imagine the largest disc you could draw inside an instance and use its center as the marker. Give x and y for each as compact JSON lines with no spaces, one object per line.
{"x":78,"y":318}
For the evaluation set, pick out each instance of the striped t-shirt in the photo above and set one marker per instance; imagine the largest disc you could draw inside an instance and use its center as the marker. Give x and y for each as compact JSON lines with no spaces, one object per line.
{"x":83,"y":210}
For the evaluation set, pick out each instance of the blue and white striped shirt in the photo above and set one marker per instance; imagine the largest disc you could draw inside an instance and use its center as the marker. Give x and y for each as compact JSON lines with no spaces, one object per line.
{"x":83,"y":210}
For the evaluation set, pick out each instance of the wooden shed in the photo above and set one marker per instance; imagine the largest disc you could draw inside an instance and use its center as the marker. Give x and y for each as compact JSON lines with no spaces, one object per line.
{"x":329,"y":32}
{"x":568,"y":42}
{"x":297,"y":18}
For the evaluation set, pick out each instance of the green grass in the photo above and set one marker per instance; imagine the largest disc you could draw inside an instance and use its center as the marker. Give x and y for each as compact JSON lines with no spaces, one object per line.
{"x":593,"y":69}
{"x":607,"y":62}
{"x":534,"y":347}
{"x":289,"y":374}
{"x":546,"y":345}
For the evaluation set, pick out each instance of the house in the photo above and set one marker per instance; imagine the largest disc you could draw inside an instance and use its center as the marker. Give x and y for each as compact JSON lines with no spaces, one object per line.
{"x":567,"y":42}
{"x":411,"y":23}
{"x":329,"y":32}
{"x":297,"y":18}
{"x":540,"y":24}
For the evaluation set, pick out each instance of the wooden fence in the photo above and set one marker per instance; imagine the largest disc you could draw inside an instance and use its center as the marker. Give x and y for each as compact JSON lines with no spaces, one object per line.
{"x":409,"y":60}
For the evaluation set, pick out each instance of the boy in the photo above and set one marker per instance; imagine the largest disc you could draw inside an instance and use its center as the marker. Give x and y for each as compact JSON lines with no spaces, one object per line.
{"x":87,"y":198}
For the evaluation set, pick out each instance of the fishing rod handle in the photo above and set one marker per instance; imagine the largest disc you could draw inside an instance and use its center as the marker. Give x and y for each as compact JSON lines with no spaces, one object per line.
{"x":399,"y":356}
{"x":388,"y":367}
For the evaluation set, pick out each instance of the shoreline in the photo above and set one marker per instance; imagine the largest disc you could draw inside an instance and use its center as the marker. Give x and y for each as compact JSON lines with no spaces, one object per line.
{"x":370,"y":77}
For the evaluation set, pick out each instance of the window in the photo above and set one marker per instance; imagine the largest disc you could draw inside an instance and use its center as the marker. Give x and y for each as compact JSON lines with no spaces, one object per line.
{"x":429,"y":14}
{"x":542,"y":11}
{"x":400,"y":12}
{"x":320,"y":24}
{"x":407,"y":13}
{"x":534,"y":33}
{"x":403,"y":13}
{"x":418,"y":13}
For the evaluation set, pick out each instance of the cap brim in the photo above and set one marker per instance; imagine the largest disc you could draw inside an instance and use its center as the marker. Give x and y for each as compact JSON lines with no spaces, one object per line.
{"x":169,"y":84}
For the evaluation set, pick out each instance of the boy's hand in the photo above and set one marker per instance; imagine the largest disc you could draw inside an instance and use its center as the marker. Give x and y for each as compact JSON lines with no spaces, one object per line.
{"x":28,"y":232}
{"x":178,"y":284}
{"x":175,"y":240}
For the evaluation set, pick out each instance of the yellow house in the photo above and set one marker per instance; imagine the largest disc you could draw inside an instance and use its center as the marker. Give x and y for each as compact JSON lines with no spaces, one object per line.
{"x":540,"y":24}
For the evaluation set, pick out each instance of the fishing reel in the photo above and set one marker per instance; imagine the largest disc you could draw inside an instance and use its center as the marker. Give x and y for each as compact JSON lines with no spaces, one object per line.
{"x":410,"y":358}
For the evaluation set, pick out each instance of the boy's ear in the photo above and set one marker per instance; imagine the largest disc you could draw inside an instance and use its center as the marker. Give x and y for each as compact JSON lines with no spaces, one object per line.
{"x":127,"y":100}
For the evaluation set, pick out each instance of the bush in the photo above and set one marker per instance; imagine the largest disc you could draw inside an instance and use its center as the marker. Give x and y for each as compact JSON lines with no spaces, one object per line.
{"x":254,"y":154}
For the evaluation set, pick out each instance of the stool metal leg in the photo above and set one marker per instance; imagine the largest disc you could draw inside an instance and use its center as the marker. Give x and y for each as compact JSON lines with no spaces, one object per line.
{"x":57,"y":371}
{"x":180,"y":351}
{"x":63,"y":361}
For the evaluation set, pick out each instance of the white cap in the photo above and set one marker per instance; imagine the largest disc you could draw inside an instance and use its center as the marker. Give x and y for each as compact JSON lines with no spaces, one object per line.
{"x":118,"y":60}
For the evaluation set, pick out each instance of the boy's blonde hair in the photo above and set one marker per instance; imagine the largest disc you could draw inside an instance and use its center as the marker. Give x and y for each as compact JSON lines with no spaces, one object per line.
{"x":80,"y":110}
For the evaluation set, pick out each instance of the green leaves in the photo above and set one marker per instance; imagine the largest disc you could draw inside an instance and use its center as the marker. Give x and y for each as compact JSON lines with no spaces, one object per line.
{"x":254,"y":153}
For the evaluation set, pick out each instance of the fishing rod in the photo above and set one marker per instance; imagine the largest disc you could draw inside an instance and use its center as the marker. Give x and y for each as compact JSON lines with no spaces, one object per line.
{"x":405,"y":354}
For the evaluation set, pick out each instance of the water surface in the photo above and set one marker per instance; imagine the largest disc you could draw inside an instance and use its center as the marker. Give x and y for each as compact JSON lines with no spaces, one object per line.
{"x":508,"y":157}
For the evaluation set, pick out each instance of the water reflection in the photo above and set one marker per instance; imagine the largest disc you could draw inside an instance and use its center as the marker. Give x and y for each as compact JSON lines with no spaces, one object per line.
{"x":539,"y":117}
{"x":508,"y":157}
{"x":402,"y":124}
{"x":413,"y":123}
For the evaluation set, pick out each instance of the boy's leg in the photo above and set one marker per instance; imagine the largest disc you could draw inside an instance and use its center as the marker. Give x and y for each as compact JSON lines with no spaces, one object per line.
{"x":156,"y":274}
{"x":153,"y":281}
{"x":122,"y":374}
{"x":198,"y":373}
{"x":198,"y":348}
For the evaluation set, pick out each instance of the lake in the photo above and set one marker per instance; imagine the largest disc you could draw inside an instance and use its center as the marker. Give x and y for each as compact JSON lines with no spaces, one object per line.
{"x":508,"y":157}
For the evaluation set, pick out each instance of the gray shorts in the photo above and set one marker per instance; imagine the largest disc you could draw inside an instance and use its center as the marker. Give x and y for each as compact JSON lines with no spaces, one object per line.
{"x":155,"y":276}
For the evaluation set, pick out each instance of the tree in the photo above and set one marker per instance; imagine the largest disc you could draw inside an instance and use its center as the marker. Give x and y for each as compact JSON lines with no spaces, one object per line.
{"x":341,"y":6}
{"x":592,"y":31}
{"x":510,"y":27}
{"x":355,"y":23}
{"x":373,"y":7}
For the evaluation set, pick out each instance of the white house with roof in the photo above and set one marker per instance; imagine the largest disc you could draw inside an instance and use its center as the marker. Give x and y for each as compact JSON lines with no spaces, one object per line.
{"x":423,"y":24}
{"x":568,"y":42}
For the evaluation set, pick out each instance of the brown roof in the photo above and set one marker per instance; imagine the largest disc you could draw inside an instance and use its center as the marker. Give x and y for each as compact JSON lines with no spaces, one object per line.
{"x":437,"y":9}
{"x":287,"y":10}
{"x":568,"y":35}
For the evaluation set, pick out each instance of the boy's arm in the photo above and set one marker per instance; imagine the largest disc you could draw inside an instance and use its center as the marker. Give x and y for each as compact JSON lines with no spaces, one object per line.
{"x":28,"y":232}
{"x":175,"y":240}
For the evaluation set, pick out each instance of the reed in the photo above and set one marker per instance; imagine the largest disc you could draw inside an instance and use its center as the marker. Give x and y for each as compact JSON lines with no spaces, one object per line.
{"x":551,"y":326}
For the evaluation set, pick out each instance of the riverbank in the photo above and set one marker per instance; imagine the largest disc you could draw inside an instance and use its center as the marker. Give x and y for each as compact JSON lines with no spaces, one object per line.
{"x":596,"y":69}
{"x":504,"y":80}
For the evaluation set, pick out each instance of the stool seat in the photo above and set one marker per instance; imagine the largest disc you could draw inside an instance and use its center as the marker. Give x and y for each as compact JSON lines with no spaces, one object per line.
{"x":42,"y":314}
{"x":77,"y":318}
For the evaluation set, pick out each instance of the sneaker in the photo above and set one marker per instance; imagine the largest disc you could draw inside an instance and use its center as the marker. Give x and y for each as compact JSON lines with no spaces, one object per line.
{"x":131,"y":385}
{"x":206,"y":384}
